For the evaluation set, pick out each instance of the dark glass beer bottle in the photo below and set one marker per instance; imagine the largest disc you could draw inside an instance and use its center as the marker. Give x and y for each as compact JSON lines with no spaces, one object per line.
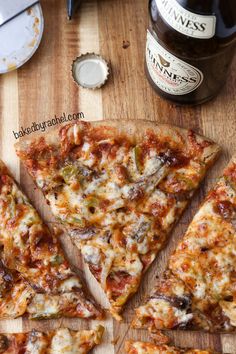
{"x":190,"y":46}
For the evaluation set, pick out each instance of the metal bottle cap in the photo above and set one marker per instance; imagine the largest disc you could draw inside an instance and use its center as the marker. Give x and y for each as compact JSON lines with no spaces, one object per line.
{"x":90,"y":71}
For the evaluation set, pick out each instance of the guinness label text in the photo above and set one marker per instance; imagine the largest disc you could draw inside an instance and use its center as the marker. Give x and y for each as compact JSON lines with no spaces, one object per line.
{"x":169,"y":73}
{"x":186,"y":22}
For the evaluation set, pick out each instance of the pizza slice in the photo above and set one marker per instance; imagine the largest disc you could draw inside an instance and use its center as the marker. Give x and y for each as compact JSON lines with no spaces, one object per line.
{"x":35,"y":277}
{"x":118,"y":187}
{"x":133,"y":347}
{"x":60,"y":341}
{"x":198,"y":291}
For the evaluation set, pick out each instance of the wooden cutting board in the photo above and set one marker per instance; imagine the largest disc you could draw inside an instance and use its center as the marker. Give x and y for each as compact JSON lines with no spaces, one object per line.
{"x":43,"y":88}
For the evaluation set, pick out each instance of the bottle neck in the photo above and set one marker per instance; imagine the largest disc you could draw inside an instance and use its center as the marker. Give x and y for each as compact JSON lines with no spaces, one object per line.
{"x":178,"y":11}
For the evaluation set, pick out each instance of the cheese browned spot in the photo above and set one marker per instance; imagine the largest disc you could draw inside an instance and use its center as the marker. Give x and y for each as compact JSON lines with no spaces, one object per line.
{"x":202,"y":270}
{"x":118,"y":191}
{"x":133,"y":347}
{"x":60,"y":341}
{"x":35,"y":277}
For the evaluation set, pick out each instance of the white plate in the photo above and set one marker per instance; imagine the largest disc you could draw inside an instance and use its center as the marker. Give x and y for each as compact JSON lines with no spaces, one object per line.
{"x":19,"y":38}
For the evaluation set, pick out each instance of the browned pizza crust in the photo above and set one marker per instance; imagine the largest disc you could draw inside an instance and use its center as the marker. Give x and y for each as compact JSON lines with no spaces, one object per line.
{"x":59,"y":341}
{"x":133,"y":347}
{"x":136,"y":129}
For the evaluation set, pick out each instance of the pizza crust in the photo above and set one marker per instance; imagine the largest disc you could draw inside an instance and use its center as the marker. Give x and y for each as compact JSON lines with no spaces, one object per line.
{"x":59,"y":341}
{"x":135,"y":129}
{"x":138,"y":347}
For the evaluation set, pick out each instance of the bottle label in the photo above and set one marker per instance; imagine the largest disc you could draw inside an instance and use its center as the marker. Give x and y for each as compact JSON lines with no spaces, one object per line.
{"x":169,"y":73}
{"x":186,"y":22}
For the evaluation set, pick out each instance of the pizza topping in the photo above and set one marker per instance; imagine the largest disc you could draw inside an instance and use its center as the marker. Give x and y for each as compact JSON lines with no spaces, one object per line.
{"x":226,"y":209}
{"x":197,"y":145}
{"x":67,"y":304}
{"x":15,"y":302}
{"x":181,"y":303}
{"x":117,"y":282}
{"x":3,"y":343}
{"x":138,"y":228}
{"x":229,"y":309}
{"x":91,"y":254}
{"x":230,"y":175}
{"x":161,"y":314}
{"x":6,"y":280}
{"x":37,"y":342}
{"x":138,"y":159}
{"x":83,"y":234}
{"x":69,"y":173}
{"x":174,"y":158}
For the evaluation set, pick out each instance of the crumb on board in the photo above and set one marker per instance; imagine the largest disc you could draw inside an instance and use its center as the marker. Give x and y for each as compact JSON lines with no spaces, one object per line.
{"x":126,"y":44}
{"x":160,"y":337}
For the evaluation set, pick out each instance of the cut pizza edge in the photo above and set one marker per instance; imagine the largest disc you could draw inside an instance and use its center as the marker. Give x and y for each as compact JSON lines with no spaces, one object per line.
{"x":207,"y":150}
{"x":35,"y":276}
{"x":195,"y":293}
{"x":138,"y":347}
{"x":57,"y":341}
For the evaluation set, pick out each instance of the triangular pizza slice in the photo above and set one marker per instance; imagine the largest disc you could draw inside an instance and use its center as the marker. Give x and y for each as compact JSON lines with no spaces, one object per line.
{"x":198,"y":291}
{"x":133,"y":347}
{"x":35,"y":277}
{"x":118,"y":187}
{"x":60,"y":341}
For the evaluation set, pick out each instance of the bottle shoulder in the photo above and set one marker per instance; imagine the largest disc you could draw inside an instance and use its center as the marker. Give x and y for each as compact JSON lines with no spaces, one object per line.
{"x":182,"y":30}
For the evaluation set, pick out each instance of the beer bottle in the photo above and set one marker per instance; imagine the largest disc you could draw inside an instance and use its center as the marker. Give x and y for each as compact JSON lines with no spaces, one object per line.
{"x":190,"y":46}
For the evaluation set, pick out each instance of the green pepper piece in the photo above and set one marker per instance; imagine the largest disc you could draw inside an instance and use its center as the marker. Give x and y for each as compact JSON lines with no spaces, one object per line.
{"x":43,"y":316}
{"x":68,"y":172}
{"x":57,"y":260}
{"x":77,"y":220}
{"x":91,"y":202}
{"x":137,"y":158}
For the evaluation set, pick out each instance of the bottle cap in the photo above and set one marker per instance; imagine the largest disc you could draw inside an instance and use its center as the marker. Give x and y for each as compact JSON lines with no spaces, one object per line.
{"x":90,"y":71}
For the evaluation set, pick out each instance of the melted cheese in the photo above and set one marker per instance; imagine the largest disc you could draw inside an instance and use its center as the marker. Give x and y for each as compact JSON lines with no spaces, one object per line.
{"x":91,"y":254}
{"x":69,"y":284}
{"x":37,"y":343}
{"x":62,"y":343}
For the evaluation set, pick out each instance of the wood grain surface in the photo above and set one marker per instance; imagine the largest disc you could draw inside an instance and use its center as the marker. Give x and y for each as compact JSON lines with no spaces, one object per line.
{"x":43,"y":88}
